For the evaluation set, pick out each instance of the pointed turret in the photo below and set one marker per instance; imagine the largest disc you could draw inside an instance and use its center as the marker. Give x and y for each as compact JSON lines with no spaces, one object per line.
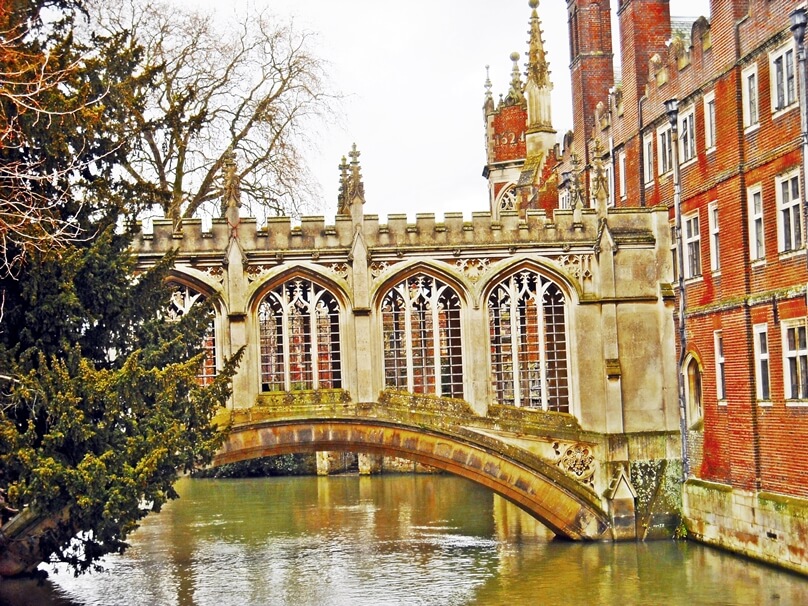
{"x":540,"y":132}
{"x":343,"y":204}
{"x":488,"y":104}
{"x":231,"y":190}
{"x":351,"y":189}
{"x":234,"y":259}
{"x":538,"y":70}
{"x":520,"y":136}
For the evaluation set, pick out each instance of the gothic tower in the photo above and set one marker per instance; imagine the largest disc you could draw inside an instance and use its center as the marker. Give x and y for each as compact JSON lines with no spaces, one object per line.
{"x":592,"y":73}
{"x":519,"y":132}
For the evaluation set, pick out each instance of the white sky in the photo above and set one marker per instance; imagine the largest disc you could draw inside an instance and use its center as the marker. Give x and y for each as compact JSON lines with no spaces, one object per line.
{"x":413,"y":75}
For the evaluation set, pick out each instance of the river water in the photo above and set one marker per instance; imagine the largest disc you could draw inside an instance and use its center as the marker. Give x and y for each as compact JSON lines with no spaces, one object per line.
{"x":394,"y":540}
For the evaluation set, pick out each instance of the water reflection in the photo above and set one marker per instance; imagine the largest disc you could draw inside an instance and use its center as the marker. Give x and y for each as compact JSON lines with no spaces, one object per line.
{"x":405,"y":540}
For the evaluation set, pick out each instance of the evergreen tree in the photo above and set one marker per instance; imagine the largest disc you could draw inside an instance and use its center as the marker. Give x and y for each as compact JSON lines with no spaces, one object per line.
{"x":100,"y":407}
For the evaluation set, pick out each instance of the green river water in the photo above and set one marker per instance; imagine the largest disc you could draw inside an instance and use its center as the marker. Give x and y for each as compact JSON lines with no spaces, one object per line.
{"x":389,"y":540}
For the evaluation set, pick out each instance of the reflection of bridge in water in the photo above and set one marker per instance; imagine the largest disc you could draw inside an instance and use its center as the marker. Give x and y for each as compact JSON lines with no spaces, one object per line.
{"x":530,"y":353}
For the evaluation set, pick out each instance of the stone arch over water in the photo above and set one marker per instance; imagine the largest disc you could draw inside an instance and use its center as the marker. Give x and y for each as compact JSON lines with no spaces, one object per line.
{"x":563,"y":505}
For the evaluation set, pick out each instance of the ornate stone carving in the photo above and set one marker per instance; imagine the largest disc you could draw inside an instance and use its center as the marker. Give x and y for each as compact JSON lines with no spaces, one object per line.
{"x":578,"y":266}
{"x":378,"y":267}
{"x":255,"y":272}
{"x":473,"y":269}
{"x":340,"y":269}
{"x":576,"y":460}
{"x":217,"y":273}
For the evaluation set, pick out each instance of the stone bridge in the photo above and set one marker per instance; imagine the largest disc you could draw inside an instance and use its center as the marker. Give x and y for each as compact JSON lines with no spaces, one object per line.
{"x":532,"y":353}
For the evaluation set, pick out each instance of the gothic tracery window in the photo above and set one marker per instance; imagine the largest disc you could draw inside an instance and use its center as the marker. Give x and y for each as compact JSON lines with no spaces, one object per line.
{"x":182,"y":300}
{"x":422,"y":337}
{"x":529,"y":353}
{"x":508,"y":199}
{"x":299,"y":337}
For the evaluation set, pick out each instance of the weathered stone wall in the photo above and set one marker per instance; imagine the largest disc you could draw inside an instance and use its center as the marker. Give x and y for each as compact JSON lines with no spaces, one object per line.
{"x":765,"y":526}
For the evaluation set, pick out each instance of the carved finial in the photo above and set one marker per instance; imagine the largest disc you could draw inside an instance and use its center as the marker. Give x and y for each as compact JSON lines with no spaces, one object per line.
{"x":515,"y":94}
{"x":343,"y":206}
{"x":354,"y":154}
{"x":538,"y":70}
{"x":600,"y":184}
{"x":488,"y":104}
{"x":353,"y":180}
{"x":231,"y":192}
{"x":576,"y":201}
{"x":575,"y":161}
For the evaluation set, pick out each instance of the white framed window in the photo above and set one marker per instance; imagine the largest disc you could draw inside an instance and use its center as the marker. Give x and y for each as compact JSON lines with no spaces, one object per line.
{"x":709,"y":121}
{"x":757,"y":249}
{"x":610,"y":182}
{"x":648,"y":159}
{"x":621,"y":167}
{"x":789,"y":217}
{"x":715,"y":242}
{"x":423,"y":342}
{"x":299,"y":337}
{"x":762,"y":386}
{"x":687,"y":134}
{"x":529,"y":347}
{"x":749,"y":96}
{"x":665,"y":148}
{"x":795,"y":360}
{"x":782,"y":77}
{"x":720,"y":376}
{"x":692,"y":245}
{"x":674,"y":252}
{"x":564,"y":199}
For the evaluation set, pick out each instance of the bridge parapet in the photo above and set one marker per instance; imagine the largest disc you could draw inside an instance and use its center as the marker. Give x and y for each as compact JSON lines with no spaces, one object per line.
{"x":405,"y":407}
{"x":630,"y":468}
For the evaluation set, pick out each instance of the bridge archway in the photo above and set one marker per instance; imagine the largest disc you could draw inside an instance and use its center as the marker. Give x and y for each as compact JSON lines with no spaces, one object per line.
{"x":545,"y":492}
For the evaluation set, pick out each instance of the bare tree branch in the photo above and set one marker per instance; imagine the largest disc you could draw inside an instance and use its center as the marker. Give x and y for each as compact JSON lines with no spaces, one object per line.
{"x":253,"y":86}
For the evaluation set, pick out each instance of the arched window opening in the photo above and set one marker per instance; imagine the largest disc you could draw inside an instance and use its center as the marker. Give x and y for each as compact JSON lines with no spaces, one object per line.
{"x":182,"y":300}
{"x":693,"y":382}
{"x":422,"y":337}
{"x":299,"y":338}
{"x":529,"y":352}
{"x":507,"y":200}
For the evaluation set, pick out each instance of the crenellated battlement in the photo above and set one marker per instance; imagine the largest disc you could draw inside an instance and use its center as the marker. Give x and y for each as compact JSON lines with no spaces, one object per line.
{"x":562,"y":229}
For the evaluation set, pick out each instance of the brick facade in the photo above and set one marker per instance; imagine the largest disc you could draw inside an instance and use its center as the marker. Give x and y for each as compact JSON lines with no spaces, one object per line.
{"x":747,"y":444}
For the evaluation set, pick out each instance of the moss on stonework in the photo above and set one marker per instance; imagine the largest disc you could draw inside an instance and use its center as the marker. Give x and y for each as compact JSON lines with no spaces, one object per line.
{"x":659,"y":495}
{"x":783,"y":504}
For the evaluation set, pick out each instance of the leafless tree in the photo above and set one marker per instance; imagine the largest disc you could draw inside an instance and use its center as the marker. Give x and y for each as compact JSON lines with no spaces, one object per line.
{"x":252,"y":86}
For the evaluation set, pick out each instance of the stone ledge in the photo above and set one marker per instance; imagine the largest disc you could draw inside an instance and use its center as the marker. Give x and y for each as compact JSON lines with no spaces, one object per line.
{"x":708,"y":485}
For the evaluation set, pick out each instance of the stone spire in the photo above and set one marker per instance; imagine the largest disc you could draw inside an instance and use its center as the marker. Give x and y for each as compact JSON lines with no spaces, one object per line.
{"x":351,"y":187}
{"x":538,"y":89}
{"x":488,"y":105}
{"x":538,"y":70}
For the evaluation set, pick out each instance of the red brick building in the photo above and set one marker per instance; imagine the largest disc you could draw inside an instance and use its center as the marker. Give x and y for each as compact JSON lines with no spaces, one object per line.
{"x":737,"y":146}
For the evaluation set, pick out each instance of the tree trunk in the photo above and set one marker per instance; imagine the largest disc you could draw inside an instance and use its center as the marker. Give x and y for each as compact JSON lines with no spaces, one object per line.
{"x":27,"y":540}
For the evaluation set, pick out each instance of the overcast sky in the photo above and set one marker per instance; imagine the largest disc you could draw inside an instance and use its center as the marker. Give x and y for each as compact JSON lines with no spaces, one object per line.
{"x":413,"y":73}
